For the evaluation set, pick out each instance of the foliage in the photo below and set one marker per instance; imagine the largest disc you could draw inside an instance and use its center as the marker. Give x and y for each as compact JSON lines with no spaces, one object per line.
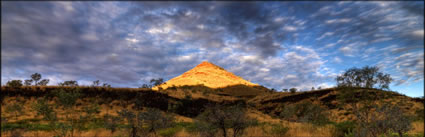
{"x":169,"y":132}
{"x":155,"y":120}
{"x":285,"y":90}
{"x":71,"y":83}
{"x":278,"y":130}
{"x":305,"y":112}
{"x":384,"y":120}
{"x":367,"y":77}
{"x":111,"y":122}
{"x":43,"y":82}
{"x":156,"y":82}
{"x":15,"y":108}
{"x":28,"y":82}
{"x":343,"y":128}
{"x":293,"y":90}
{"x":42,"y":108}
{"x":95,"y":83}
{"x":36,"y":77}
{"x":219,"y":118}
{"x":14,"y":83}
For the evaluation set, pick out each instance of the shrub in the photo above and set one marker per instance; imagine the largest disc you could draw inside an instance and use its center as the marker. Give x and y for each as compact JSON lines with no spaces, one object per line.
{"x":14,"y":83}
{"x":305,"y":112}
{"x":155,"y":120}
{"x":293,"y":90}
{"x":169,"y":132}
{"x":278,"y":130}
{"x":218,"y":118}
{"x":343,"y":128}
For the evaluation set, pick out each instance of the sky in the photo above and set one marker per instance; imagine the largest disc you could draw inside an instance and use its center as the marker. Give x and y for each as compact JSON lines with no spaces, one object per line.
{"x":275,"y":44}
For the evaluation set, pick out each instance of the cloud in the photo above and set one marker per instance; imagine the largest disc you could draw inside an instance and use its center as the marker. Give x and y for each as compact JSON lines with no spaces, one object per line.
{"x":128,"y":43}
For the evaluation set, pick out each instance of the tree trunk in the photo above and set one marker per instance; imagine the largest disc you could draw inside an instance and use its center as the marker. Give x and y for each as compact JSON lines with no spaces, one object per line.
{"x":400,"y":134}
{"x":224,"y":131}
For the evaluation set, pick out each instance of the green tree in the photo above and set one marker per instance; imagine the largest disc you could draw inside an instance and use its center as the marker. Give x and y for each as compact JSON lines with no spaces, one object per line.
{"x":129,"y":117}
{"x":67,"y":100}
{"x":219,"y":118}
{"x":285,"y":90}
{"x":14,"y":83}
{"x":155,"y":120}
{"x":15,"y":108}
{"x":367,"y":77}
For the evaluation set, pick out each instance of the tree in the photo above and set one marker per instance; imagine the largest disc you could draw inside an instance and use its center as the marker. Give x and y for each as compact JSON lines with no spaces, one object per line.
{"x":28,"y":82}
{"x":312,"y":88}
{"x":43,"y":82}
{"x":106,"y":85}
{"x":367,"y":77}
{"x":71,"y":83}
{"x":36,"y":77}
{"x":155,"y":120}
{"x":111,"y":122}
{"x":219,"y":118}
{"x":14,"y":83}
{"x":15,"y":108}
{"x":293,"y":90}
{"x":129,"y":116}
{"x":95,"y":83}
{"x":285,"y":90}
{"x":156,"y":82}
{"x":68,"y":99}
{"x":146,"y":86}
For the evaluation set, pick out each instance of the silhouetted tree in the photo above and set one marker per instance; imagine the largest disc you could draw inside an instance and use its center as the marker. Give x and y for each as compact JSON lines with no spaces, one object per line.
{"x":36,"y":77}
{"x":156,"y":82}
{"x":146,"y":86}
{"x":293,"y":90}
{"x":71,"y":83}
{"x":14,"y":83}
{"x":312,"y":88}
{"x":43,"y":82}
{"x":106,"y":85}
{"x":95,"y":83}
{"x":285,"y":90}
{"x":367,"y":77}
{"x":28,"y":82}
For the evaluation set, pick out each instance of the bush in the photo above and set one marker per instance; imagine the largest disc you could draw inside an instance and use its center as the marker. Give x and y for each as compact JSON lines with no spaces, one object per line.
{"x":278,"y":130}
{"x":14,"y":83}
{"x":343,"y":128}
{"x":305,"y":112}
{"x":219,"y":118}
{"x":169,"y":132}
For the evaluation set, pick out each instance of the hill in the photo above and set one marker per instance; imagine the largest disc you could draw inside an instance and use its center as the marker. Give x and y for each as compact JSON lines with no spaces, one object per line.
{"x":206,"y":74}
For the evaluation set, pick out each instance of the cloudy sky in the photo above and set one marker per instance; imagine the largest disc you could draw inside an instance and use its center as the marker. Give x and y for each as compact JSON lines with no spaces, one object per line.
{"x":276,"y":44}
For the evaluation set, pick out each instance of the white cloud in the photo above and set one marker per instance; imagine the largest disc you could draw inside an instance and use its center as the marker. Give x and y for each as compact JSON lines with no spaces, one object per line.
{"x":343,"y":20}
{"x":337,"y":60}
{"x":290,"y":28}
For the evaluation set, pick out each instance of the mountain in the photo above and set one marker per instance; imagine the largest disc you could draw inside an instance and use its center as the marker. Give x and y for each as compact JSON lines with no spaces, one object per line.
{"x":206,"y":74}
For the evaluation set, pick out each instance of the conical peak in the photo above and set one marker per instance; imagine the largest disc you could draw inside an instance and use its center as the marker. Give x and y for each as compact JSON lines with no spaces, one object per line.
{"x":206,"y":64}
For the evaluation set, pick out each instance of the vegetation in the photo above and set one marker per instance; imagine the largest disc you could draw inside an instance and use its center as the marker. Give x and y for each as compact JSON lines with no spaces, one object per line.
{"x":14,"y":83}
{"x":70,"y":109}
{"x":367,"y":77}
